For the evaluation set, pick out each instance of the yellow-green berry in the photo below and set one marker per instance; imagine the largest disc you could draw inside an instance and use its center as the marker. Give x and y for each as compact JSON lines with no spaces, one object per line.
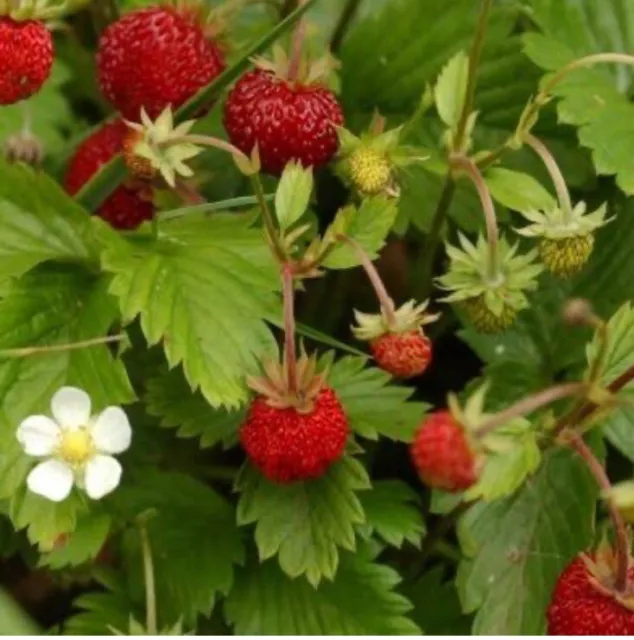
{"x":370,"y":171}
{"x":484,"y":320}
{"x":565,"y":257}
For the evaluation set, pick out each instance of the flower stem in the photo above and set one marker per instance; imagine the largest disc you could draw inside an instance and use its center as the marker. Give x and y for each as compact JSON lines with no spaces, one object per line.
{"x":493,"y":235}
{"x":208,"y":141}
{"x":563,"y":195}
{"x":290,"y":353}
{"x":297,"y":46}
{"x":576,"y":442}
{"x":31,"y":351}
{"x":385,"y":301}
{"x":154,"y":222}
{"x":530,"y":404}
{"x":345,"y":19}
{"x":278,"y":248}
{"x":150,"y":588}
{"x":188,"y":194}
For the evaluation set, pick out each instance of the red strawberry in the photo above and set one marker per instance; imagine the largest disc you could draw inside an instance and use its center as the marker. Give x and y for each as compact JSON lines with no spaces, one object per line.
{"x":26,"y":58}
{"x":404,"y":355}
{"x":442,"y":454}
{"x":288,"y":121}
{"x":127,"y":207}
{"x":579,"y":607}
{"x":153,"y":58}
{"x":287,"y":445}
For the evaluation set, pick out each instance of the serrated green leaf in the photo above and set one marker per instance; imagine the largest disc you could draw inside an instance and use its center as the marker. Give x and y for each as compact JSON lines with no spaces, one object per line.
{"x":39,"y":222}
{"x":194,"y":540}
{"x":374,"y":406}
{"x":361,"y":600}
{"x":293,"y":194}
{"x":518,"y":191}
{"x":619,"y":430}
{"x":451,"y":89}
{"x":393,"y":512}
{"x":170,"y":398}
{"x":304,"y":523}
{"x":203,"y":288}
{"x":369,"y":225}
{"x":518,"y":546}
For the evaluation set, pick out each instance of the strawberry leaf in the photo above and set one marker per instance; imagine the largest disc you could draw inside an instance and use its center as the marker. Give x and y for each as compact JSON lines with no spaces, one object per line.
{"x":293,"y":194}
{"x":451,"y":89}
{"x":518,"y":191}
{"x":304,"y":524}
{"x":361,"y":600}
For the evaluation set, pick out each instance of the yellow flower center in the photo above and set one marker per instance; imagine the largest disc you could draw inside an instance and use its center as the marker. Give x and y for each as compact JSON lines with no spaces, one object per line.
{"x":370,"y":171}
{"x":76,"y":446}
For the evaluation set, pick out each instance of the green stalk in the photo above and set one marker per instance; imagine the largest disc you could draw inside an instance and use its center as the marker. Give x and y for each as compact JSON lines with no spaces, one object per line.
{"x":345,"y":20}
{"x":267,"y":217}
{"x":151,"y":625}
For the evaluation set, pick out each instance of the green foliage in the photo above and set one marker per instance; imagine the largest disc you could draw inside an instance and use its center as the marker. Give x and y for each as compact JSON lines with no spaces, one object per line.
{"x":393,"y":512}
{"x":293,"y":194}
{"x":451,"y":89}
{"x":13,"y":621}
{"x":518,"y":191}
{"x":360,"y":601}
{"x":202,"y":288}
{"x":516,"y":547}
{"x":305,"y":523}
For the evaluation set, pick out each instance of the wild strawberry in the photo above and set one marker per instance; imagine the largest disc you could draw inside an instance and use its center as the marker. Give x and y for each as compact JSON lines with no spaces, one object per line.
{"x":442,"y":454}
{"x":156,"y":57}
{"x":294,"y":434}
{"x":370,"y":171}
{"x":287,"y":120}
{"x":565,"y":257}
{"x":484,"y":319}
{"x":396,"y":339}
{"x":584,"y":602}
{"x":26,"y":58}
{"x":128,"y":206}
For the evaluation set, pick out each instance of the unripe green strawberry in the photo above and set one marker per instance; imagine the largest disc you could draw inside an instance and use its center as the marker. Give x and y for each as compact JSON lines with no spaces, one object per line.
{"x":370,"y":171}
{"x":484,"y":320}
{"x":565,"y":257}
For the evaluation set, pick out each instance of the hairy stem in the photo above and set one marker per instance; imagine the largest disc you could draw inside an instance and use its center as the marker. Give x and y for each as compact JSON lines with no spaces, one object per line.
{"x":278,"y":248}
{"x":290,"y":353}
{"x":150,"y":588}
{"x":385,"y":301}
{"x":563,"y":195}
{"x":209,"y":141}
{"x":345,"y":19}
{"x":488,"y":208}
{"x":575,"y":441}
{"x":530,"y":404}
{"x":31,"y":351}
{"x":297,"y":46}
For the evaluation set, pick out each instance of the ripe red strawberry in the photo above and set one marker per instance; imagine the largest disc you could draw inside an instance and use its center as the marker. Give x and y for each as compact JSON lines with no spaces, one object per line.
{"x":153,"y":58}
{"x":442,"y":454}
{"x":288,"y":121}
{"x":404,"y":355}
{"x":287,"y":445}
{"x":579,"y":607}
{"x":127,"y":207}
{"x":26,"y":58}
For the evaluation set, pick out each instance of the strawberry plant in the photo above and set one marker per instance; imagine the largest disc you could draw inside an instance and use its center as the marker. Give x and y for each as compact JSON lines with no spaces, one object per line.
{"x":315,"y":317}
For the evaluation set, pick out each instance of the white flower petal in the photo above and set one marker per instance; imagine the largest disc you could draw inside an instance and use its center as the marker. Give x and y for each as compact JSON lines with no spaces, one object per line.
{"x":38,"y":435}
{"x":52,"y":479}
{"x":111,"y":432}
{"x":71,"y":407}
{"x":103,"y":474}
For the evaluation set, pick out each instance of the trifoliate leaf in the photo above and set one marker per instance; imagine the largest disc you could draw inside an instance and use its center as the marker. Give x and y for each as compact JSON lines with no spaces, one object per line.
{"x":361,"y":600}
{"x":451,"y":89}
{"x":518,"y":191}
{"x":194,"y":540}
{"x":203,"y":289}
{"x":369,"y":225}
{"x":374,"y":406}
{"x":293,"y":194}
{"x":304,"y":523}
{"x":170,"y":398}
{"x":518,"y":546}
{"x":45,"y":308}
{"x":393,"y":512}
{"x":39,"y":222}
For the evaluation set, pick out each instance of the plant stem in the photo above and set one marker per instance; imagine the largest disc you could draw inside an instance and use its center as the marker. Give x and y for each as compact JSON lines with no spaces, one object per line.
{"x":492,"y":157}
{"x":297,"y":46}
{"x":150,"y":588}
{"x":345,"y":19}
{"x":488,"y":208}
{"x":576,"y":442}
{"x":290,"y":354}
{"x":287,"y":8}
{"x":154,"y":222}
{"x":563,"y":195}
{"x":188,"y":194}
{"x":31,"y":351}
{"x":474,"y":59}
{"x":433,"y":238}
{"x":208,"y":141}
{"x":385,"y":301}
{"x":278,"y":248}
{"x":530,"y":404}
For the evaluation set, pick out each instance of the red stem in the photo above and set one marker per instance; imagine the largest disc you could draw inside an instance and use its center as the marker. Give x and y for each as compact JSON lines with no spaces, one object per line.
{"x":297,"y":46}
{"x":290,"y":353}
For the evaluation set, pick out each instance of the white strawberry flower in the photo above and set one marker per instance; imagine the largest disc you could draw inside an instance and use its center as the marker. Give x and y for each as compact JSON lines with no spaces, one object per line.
{"x":78,"y":446}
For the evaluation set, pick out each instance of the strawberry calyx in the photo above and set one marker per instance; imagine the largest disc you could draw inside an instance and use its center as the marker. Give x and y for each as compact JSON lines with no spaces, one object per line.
{"x":277,"y":390}
{"x":602,"y":567}
{"x":408,"y":317}
{"x":42,"y":10}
